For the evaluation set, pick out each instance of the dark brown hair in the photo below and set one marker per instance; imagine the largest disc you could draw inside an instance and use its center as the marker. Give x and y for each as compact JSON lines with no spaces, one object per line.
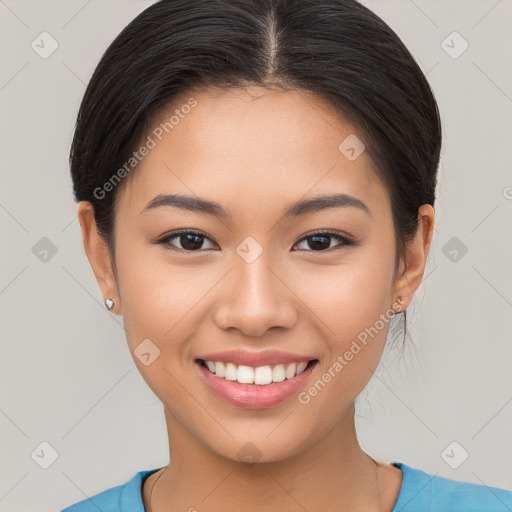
{"x":338,"y":49}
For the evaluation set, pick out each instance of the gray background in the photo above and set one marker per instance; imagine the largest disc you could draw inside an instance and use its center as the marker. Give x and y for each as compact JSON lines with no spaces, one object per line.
{"x":66,"y":375}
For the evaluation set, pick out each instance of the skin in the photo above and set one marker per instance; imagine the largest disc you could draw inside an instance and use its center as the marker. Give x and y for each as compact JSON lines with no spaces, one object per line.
{"x":256,"y":152}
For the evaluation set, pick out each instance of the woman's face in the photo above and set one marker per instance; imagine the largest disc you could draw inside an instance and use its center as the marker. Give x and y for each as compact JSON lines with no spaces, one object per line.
{"x":252,"y":281}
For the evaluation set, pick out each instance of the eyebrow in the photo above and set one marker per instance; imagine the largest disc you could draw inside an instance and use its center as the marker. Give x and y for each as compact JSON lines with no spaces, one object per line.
{"x":315,"y":204}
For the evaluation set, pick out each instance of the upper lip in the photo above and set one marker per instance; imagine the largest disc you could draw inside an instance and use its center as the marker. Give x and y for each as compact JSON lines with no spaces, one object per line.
{"x":255,"y":359}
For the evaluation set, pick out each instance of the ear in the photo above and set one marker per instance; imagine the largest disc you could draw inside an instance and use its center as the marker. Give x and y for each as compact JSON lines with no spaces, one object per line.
{"x":98,"y":253}
{"x":411,"y":275}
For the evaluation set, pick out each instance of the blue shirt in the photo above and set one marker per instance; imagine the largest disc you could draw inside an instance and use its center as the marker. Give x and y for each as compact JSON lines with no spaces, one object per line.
{"x":420,"y":492}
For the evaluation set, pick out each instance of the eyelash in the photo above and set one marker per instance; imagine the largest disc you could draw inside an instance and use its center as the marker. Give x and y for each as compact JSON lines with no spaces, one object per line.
{"x":345,"y":241}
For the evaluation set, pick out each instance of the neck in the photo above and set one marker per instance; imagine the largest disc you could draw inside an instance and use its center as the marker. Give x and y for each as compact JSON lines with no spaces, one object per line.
{"x":332,"y":474}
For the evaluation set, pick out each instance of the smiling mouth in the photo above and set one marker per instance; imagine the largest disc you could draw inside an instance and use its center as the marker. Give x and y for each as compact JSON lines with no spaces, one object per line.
{"x":258,"y":376}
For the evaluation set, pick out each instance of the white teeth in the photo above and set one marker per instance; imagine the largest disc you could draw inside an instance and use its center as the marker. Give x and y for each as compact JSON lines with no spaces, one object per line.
{"x":290,"y":371}
{"x":245,"y":375}
{"x":219,"y":369}
{"x":261,"y":375}
{"x":278,"y":374}
{"x":230,"y":373}
{"x":301,"y":367}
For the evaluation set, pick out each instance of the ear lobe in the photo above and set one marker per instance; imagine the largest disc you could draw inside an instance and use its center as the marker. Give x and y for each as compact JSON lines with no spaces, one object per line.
{"x":98,"y":254}
{"x":416,"y":256}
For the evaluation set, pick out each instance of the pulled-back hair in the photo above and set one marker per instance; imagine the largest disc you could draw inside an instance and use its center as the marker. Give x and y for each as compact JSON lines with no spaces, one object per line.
{"x":338,"y":49}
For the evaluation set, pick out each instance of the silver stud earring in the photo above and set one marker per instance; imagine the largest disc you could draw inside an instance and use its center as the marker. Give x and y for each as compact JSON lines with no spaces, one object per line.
{"x":109,"y":303}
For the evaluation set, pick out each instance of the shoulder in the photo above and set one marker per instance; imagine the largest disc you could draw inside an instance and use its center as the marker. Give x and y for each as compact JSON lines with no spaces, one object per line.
{"x":423,"y":491}
{"x":121,"y":498}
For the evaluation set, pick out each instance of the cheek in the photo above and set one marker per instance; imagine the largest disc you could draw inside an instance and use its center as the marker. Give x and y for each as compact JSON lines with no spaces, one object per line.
{"x":350,"y":296}
{"x":159,"y":299}
{"x":354,"y":319}
{"x":351,"y":306}
{"x":158,"y":313}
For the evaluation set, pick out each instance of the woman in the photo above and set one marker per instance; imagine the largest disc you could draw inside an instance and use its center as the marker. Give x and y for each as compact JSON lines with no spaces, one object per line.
{"x":256,"y":182}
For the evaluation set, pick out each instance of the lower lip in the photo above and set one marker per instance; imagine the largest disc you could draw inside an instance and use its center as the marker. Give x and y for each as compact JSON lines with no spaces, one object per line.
{"x":255,"y":396}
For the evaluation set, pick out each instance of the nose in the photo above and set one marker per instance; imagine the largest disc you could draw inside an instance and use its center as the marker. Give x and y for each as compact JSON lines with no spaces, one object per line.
{"x":255,"y":298}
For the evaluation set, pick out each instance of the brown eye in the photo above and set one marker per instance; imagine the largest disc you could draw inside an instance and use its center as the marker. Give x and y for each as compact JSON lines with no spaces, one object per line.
{"x":189,"y":240}
{"x":321,"y":241}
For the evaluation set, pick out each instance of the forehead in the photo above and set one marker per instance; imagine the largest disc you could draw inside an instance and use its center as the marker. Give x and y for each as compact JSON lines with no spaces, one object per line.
{"x":251,"y":143}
